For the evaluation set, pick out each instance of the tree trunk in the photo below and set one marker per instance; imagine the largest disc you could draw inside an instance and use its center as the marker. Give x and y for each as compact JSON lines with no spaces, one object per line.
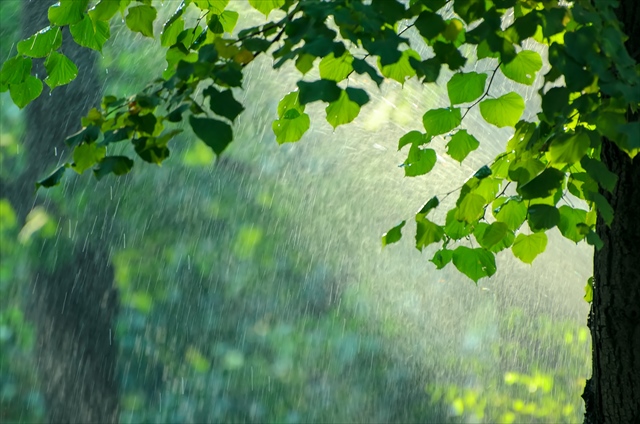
{"x":612,"y":394}
{"x":73,"y":303}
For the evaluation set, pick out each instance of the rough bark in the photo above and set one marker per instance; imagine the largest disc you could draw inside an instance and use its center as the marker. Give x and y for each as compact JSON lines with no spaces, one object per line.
{"x":612,"y":394}
{"x":73,"y":303}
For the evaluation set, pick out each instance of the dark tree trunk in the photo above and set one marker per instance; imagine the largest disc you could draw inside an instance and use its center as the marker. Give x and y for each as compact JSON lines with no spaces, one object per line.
{"x":612,"y":394}
{"x":72,"y":300}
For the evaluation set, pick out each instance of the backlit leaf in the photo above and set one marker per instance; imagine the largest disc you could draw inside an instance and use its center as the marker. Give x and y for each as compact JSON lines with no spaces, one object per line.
{"x":402,"y":69}
{"x":466,"y":87}
{"x":528,"y":247}
{"x":570,"y":219}
{"x":336,"y":68}
{"x":471,"y":208}
{"x":67,"y":12}
{"x":441,"y":121}
{"x":427,"y":232}
{"x":266,"y":6}
{"x":87,"y":155}
{"x":24,"y":93}
{"x":568,"y":149}
{"x":90,"y":34}
{"x":461,"y":144}
{"x":512,"y":212}
{"x":419,"y":161}
{"x":342,"y":111}
{"x":140,"y":19}
{"x":523,"y":67}
{"x":505,"y":111}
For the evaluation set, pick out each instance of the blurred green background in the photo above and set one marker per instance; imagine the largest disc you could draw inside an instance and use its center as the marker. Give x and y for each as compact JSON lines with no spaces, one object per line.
{"x":253,"y":289}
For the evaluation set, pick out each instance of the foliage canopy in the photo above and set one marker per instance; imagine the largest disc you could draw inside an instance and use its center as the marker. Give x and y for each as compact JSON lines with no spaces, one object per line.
{"x":588,"y":91}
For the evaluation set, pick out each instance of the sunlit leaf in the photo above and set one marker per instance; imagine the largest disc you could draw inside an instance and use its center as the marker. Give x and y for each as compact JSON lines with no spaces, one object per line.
{"x":471,"y":208}
{"x":441,"y":121}
{"x":568,"y":149}
{"x":342,"y":111}
{"x":419,"y":161}
{"x":336,"y":68}
{"x":401,"y":70}
{"x":461,"y":144}
{"x":266,"y":6}
{"x":528,"y":247}
{"x":492,"y":234}
{"x":466,"y":87}
{"x":523,"y":68}
{"x":140,"y":19}
{"x":570,"y":223}
{"x":413,"y":137}
{"x":512,"y":212}
{"x":104,"y":10}
{"x":505,"y":111}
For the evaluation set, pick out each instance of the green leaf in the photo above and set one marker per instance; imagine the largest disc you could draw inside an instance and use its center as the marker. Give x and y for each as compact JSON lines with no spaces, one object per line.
{"x":461,"y":144}
{"x":24,"y":93}
{"x":471,"y":208}
{"x":544,"y":185}
{"x":469,"y":10}
{"x":223,"y":103}
{"x":358,"y":96}
{"x":325,"y":90}
{"x":290,"y":101}
{"x":505,"y":111}
{"x":512,"y":212}
{"x":215,"y":134}
{"x":493,"y":234}
{"x":342,"y":111}
{"x":67,"y":12}
{"x":570,"y":223}
{"x":604,"y":207}
{"x":523,"y":171}
{"x":401,"y":70}
{"x":140,"y":19}
{"x":41,"y":43}
{"x":171,"y":30}
{"x":87,"y":155}
{"x":60,"y":70}
{"x":229,"y":19}
{"x":413,"y":137}
{"x":527,"y":247}
{"x":429,"y":205}
{"x":90,"y":34}
{"x":117,"y":165}
{"x":568,"y":148}
{"x":304,"y":62}
{"x":291,"y":127}
{"x":393,"y":235}
{"x":442,"y":257}
{"x":429,"y":24}
{"x":600,"y":173}
{"x":362,"y":67}
{"x":336,"y":68}
{"x":454,"y":228}
{"x":483,"y":173}
{"x":588,"y":290}
{"x":427,"y":232}
{"x":543,"y":217}
{"x":466,"y":87}
{"x":419,"y":161}
{"x":53,"y":179}
{"x":474,"y":263}
{"x":441,"y":121}
{"x":523,"y":67}
{"x":213,"y":6}
{"x":15,"y":71}
{"x":266,"y":6}
{"x":104,"y":10}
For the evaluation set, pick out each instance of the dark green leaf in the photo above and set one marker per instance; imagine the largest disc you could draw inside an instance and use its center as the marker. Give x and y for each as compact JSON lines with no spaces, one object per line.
{"x":215,"y":134}
{"x":599,"y":172}
{"x":419,"y":161}
{"x":53,"y":179}
{"x":544,"y":185}
{"x":325,"y":90}
{"x":357,"y":95}
{"x":543,"y":217}
{"x":430,"y":24}
{"x":393,"y":235}
{"x":118,"y":165}
{"x":362,"y":67}
{"x":427,"y":232}
{"x":570,"y":223}
{"x":427,"y":207}
{"x":223,"y":103}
